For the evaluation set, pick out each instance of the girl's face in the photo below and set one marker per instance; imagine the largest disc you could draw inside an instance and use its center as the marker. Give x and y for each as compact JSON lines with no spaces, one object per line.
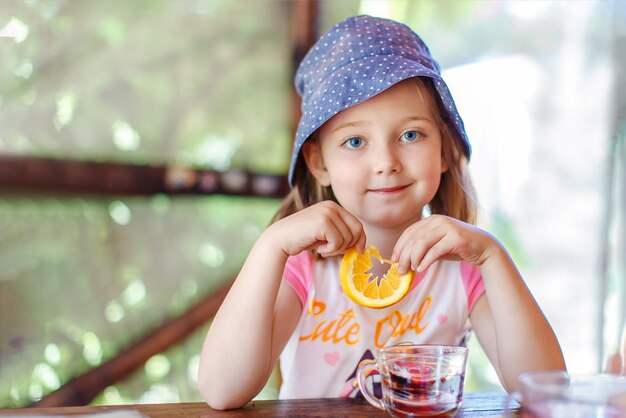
{"x":382,"y":158}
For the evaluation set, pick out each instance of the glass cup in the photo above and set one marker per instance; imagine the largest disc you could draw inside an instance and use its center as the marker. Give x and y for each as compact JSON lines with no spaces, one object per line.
{"x":417,"y":380}
{"x":556,"y":394}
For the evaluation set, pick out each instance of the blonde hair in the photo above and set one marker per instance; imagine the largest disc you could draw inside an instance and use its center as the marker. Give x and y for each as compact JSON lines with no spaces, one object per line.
{"x":455,"y":196}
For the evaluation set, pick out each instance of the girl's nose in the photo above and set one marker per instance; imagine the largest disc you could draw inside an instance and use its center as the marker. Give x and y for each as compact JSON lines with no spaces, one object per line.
{"x":386,"y":160}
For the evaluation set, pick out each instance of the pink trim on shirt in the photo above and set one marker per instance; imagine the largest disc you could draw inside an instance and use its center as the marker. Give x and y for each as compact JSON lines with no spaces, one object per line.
{"x":417,"y":279}
{"x":473,"y":282}
{"x":299,"y":274}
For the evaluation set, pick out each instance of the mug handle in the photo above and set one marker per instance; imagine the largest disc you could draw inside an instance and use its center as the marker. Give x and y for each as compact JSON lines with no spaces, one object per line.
{"x":366,"y":368}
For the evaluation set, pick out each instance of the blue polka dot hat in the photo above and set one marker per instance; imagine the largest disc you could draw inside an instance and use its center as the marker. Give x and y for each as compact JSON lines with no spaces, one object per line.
{"x":356,"y":59}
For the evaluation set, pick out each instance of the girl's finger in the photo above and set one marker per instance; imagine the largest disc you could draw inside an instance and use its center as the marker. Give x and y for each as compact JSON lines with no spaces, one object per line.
{"x":411,"y":253}
{"x":328,"y":237}
{"x":360,"y":243}
{"x":344,"y":238}
{"x":408,"y":235}
{"x":418,"y":230}
{"x":357,"y":234}
{"x":347,"y":226}
{"x":403,"y":256}
{"x":438,"y":250}
{"x":416,"y":246}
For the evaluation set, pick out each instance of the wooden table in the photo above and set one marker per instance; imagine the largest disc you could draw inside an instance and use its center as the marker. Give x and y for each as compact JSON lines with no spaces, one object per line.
{"x":474,"y":405}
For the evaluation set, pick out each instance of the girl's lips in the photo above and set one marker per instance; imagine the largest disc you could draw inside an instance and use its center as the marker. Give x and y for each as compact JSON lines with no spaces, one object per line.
{"x":388,"y":189}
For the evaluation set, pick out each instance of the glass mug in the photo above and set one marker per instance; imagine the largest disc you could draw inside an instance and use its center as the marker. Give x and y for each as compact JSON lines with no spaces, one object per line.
{"x":417,"y":380}
{"x":556,"y":394}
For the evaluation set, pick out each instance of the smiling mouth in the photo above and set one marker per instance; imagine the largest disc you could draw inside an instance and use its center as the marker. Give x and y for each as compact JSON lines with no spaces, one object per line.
{"x":388,"y":189}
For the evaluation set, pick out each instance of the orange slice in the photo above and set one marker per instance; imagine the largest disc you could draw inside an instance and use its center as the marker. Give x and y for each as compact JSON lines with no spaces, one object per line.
{"x":362,"y":286}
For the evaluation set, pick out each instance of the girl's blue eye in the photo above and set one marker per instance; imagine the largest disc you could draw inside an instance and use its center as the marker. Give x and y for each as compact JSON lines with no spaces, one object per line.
{"x":354,"y":142}
{"x":410,"y":136}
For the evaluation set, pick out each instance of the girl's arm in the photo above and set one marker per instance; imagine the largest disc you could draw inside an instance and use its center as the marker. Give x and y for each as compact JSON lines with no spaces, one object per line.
{"x":245,"y":337}
{"x":508,"y":322}
{"x":260,"y":313}
{"x":510,"y":325}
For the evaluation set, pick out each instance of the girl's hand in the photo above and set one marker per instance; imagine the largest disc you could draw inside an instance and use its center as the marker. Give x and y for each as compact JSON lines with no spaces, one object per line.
{"x":325,"y":227}
{"x":441,"y":237}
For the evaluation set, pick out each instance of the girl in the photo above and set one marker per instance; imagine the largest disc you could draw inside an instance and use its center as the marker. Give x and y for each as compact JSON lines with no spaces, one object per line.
{"x":379,"y":143}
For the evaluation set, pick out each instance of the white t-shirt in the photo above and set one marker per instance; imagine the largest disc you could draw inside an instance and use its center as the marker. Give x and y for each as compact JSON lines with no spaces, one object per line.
{"x":334,"y":334}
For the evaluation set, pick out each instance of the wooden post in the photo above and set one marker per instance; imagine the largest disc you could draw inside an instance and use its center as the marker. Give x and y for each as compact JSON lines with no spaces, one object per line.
{"x":82,"y":389}
{"x":304,"y":19}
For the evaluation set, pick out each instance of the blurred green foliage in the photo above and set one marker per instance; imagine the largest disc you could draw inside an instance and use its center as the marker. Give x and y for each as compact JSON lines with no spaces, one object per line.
{"x":83,"y":278}
{"x":150,"y":81}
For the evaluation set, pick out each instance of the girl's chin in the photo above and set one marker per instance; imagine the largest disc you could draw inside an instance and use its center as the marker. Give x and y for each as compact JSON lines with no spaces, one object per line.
{"x":390,"y":221}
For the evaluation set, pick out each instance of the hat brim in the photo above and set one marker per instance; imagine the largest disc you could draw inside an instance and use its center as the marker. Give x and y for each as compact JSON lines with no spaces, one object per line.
{"x":357,"y":82}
